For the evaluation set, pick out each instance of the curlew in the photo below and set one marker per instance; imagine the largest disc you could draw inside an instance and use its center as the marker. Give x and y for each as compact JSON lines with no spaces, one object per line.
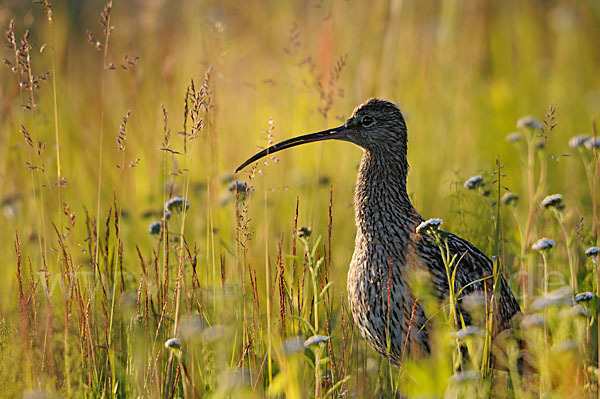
{"x":389,"y":248}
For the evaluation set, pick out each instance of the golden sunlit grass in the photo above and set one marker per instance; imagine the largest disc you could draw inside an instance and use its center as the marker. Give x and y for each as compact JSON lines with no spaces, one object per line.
{"x":137,"y":265}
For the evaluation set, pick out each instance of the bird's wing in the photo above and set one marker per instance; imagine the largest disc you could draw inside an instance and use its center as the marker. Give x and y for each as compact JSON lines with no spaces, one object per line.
{"x":474,"y":273}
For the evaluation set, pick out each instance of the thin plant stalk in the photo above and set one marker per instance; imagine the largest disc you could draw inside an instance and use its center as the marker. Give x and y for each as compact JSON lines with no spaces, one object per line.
{"x":530,"y":214}
{"x":531,"y":191}
{"x":543,"y":376}
{"x":570,"y":255}
{"x":101,"y":135}
{"x":597,"y":310}
{"x":99,"y":184}
{"x":268,"y":285}
{"x":596,"y":216}
{"x":450,"y":262}
{"x":48,"y":8}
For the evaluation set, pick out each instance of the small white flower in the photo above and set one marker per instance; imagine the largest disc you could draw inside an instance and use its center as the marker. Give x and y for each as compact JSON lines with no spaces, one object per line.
{"x":473,"y":182}
{"x":173,"y":343}
{"x":592,"y":251}
{"x":315,"y":340}
{"x":468,"y":331}
{"x":584,"y":297}
{"x":578,"y":140}
{"x":240,"y":186}
{"x":304,"y":232}
{"x":510,"y":199}
{"x":529,"y":122}
{"x":553,"y":201}
{"x":592,"y":142}
{"x":176,"y":204}
{"x":543,"y":244}
{"x":155,"y":228}
{"x":429,"y":225}
{"x":513,"y":137}
{"x":559,"y":297}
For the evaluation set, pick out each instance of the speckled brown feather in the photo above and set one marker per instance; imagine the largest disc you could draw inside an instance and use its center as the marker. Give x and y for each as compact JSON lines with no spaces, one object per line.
{"x":386,"y":222}
{"x":388,"y":251}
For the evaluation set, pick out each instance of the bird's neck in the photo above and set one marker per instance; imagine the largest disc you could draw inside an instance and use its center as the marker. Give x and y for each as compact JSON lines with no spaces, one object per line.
{"x":380,"y":196}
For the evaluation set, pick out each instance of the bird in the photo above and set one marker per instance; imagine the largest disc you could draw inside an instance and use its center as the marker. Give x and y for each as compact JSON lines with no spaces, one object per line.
{"x":390,"y":248}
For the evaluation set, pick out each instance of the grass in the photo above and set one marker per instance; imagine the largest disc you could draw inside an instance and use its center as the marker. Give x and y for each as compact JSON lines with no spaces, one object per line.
{"x":101,"y":125}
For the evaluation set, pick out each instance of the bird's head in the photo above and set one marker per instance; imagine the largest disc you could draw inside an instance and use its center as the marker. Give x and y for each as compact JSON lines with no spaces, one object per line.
{"x":376,"y":125}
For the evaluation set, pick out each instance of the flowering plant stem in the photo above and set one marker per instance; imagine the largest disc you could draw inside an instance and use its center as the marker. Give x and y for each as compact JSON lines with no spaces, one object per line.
{"x":313,"y":267}
{"x":451,"y":264}
{"x":561,"y":221}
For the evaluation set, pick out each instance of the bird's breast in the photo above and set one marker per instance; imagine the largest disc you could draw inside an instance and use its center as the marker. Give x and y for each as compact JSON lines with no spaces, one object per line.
{"x":380,"y":297}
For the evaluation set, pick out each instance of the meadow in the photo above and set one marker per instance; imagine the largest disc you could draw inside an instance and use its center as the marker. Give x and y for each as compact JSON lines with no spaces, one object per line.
{"x":137,"y":264}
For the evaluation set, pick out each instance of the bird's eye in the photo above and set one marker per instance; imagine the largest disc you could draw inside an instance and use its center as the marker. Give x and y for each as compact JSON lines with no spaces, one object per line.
{"x":368,"y":121}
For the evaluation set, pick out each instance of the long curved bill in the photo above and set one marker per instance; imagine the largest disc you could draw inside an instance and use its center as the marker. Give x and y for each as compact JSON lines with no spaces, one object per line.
{"x":338,"y":133}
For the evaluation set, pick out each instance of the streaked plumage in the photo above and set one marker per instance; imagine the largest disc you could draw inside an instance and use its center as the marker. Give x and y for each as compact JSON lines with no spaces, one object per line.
{"x":387,"y":241}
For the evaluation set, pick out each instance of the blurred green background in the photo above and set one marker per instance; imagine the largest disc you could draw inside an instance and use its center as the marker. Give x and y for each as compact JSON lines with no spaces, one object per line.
{"x":462,"y":72}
